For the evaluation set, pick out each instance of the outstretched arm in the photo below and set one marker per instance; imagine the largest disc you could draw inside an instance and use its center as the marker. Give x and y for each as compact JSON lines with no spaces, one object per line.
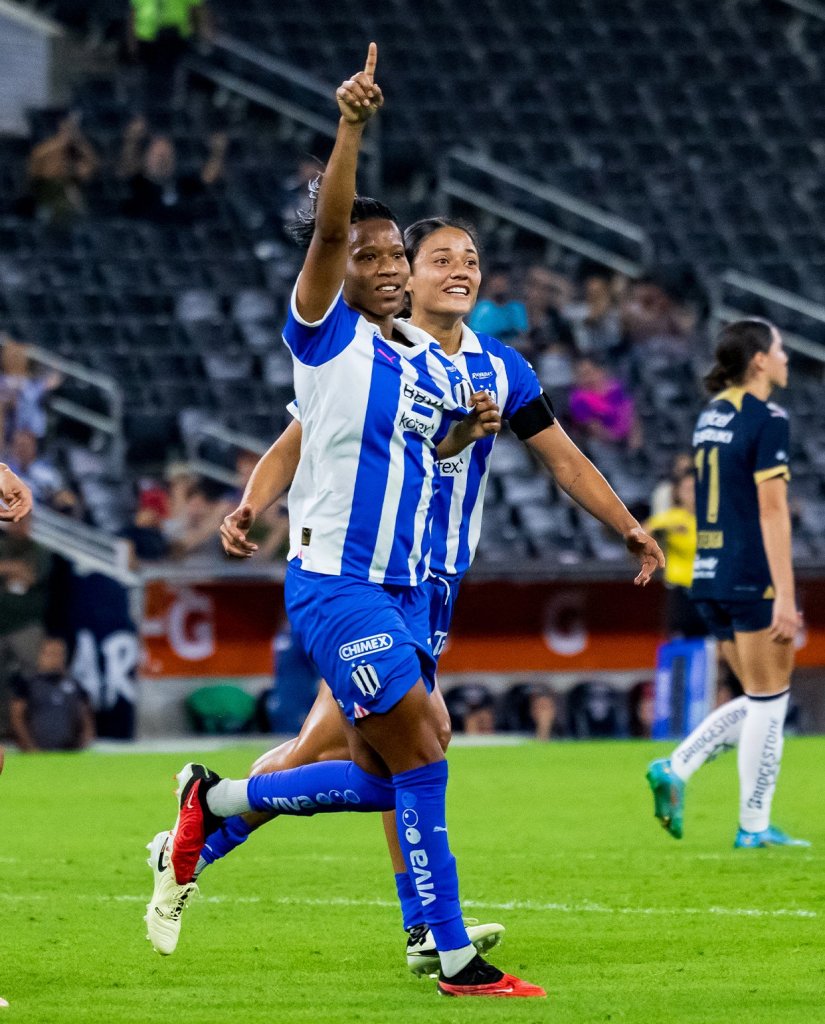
{"x":270,"y":478}
{"x":359,"y":98}
{"x":579,"y":478}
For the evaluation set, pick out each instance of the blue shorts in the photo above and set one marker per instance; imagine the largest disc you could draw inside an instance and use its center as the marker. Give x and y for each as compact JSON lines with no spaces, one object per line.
{"x":371,"y":643}
{"x":724,"y":618}
{"x":442,"y":592}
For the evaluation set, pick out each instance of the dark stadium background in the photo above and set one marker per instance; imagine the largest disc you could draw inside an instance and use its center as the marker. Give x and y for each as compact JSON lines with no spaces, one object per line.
{"x":676,"y":148}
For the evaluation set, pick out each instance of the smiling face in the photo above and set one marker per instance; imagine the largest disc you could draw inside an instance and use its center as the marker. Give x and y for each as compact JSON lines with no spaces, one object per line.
{"x":446,"y":275}
{"x":377,"y":269}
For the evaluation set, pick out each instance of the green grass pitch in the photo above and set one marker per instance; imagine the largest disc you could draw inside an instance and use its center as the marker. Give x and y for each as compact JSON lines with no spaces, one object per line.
{"x":617,"y":920}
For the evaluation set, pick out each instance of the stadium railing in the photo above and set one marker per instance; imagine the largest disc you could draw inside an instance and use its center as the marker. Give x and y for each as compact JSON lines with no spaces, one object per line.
{"x":88,"y":548}
{"x":476,"y":179}
{"x":109,"y":422}
{"x":733,"y":286}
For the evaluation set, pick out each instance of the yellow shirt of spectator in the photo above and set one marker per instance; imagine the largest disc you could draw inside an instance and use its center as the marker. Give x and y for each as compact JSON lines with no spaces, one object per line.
{"x":153,"y":15}
{"x":679,"y":528}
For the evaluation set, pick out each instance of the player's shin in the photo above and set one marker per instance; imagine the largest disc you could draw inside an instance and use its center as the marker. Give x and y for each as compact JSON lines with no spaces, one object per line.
{"x":718,"y":732}
{"x":760,"y":755}
{"x":422,"y":831}
{"x":314,"y":789}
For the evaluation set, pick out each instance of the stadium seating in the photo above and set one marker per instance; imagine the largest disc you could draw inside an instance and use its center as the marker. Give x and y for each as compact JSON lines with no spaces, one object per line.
{"x":661,"y":115}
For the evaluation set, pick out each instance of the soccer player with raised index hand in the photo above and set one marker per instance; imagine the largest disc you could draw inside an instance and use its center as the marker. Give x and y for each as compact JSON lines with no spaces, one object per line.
{"x":376,"y":401}
{"x":743,"y":580}
{"x":443,"y":289}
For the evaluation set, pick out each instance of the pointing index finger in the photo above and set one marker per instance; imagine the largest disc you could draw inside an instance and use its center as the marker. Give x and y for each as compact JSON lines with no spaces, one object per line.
{"x":372,"y":60}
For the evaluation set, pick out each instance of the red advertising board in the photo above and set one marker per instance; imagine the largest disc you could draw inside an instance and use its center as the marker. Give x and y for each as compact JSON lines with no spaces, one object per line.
{"x":226,"y":628}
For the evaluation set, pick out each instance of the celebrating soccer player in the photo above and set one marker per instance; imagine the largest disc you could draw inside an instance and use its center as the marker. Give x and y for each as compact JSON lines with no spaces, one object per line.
{"x":376,"y":400}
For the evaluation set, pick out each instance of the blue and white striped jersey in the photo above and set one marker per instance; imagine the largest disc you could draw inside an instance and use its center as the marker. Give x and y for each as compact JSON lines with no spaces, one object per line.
{"x":372,"y":412}
{"x":461,"y":483}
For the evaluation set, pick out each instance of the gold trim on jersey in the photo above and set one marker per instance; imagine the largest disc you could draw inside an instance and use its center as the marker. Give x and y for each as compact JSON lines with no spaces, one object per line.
{"x":710,"y":539}
{"x":769,"y":594}
{"x":769,"y":474}
{"x":733,"y":395}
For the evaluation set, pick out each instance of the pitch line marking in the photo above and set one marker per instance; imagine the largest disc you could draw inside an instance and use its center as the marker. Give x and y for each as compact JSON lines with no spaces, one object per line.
{"x":585,"y":907}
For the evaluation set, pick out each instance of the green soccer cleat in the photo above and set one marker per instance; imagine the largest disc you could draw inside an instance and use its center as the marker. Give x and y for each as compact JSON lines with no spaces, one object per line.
{"x":771,"y":836}
{"x":668,"y":795}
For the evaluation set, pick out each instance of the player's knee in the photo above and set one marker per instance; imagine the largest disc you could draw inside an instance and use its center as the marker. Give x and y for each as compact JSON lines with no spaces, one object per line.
{"x":444,"y":732}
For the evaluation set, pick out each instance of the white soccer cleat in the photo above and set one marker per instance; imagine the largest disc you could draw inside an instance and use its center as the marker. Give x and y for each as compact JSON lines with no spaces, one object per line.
{"x":168,"y":898}
{"x":422,"y":956}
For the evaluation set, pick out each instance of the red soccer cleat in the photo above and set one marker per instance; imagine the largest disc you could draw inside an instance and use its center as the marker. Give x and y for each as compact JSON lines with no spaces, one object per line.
{"x":195,"y":820}
{"x":479,"y":978}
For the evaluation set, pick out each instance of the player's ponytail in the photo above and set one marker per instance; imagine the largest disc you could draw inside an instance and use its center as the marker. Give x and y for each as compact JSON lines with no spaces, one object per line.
{"x":736,"y":345}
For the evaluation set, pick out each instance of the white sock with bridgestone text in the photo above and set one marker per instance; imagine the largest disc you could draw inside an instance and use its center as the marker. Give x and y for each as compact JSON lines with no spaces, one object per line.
{"x":760,"y":754}
{"x":228,"y":797}
{"x":718,"y":732}
{"x":455,"y":960}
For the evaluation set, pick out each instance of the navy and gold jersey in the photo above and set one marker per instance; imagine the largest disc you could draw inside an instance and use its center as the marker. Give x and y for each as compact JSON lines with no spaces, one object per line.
{"x":739,"y":441}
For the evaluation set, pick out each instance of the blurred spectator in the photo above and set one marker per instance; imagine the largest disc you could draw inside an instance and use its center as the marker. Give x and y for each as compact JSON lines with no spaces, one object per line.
{"x":640,"y":701}
{"x":21,"y":393}
{"x":602,"y":408}
{"x":530,"y":707}
{"x":676,"y":527}
{"x":595,"y":711}
{"x":662,"y":498}
{"x":179,"y":478}
{"x":198,"y":533}
{"x":545,"y":294}
{"x":145,"y":534}
{"x":149,"y":166}
{"x":34,"y":469}
{"x":59,"y":169}
{"x":660,"y":314}
{"x":49,"y":709}
{"x":596,"y":322}
{"x":471,"y":709}
{"x":158,"y":36}
{"x":498,"y":313}
{"x":24,"y":594}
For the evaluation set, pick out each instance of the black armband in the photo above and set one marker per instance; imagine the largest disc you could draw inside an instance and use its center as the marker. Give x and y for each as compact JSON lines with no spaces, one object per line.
{"x":532,"y":418}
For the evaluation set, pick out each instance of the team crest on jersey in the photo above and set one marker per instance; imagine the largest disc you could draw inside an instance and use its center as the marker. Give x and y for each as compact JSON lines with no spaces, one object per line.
{"x":366,"y":679}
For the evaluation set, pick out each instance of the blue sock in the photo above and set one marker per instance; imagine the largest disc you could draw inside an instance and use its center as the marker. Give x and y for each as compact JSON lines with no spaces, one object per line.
{"x":412,"y":912}
{"x":233,"y":832}
{"x":315,"y":788}
{"x":420,"y":797}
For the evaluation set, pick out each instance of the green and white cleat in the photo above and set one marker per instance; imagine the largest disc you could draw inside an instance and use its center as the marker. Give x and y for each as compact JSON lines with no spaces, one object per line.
{"x":422,"y":956}
{"x":169,"y":899}
{"x":668,"y":795}
{"x":771,"y":836}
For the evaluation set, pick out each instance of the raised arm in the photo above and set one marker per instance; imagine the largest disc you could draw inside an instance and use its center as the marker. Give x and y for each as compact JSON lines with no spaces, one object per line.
{"x":359,"y":98}
{"x":579,"y":478}
{"x":270,"y":478}
{"x":775,"y":523}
